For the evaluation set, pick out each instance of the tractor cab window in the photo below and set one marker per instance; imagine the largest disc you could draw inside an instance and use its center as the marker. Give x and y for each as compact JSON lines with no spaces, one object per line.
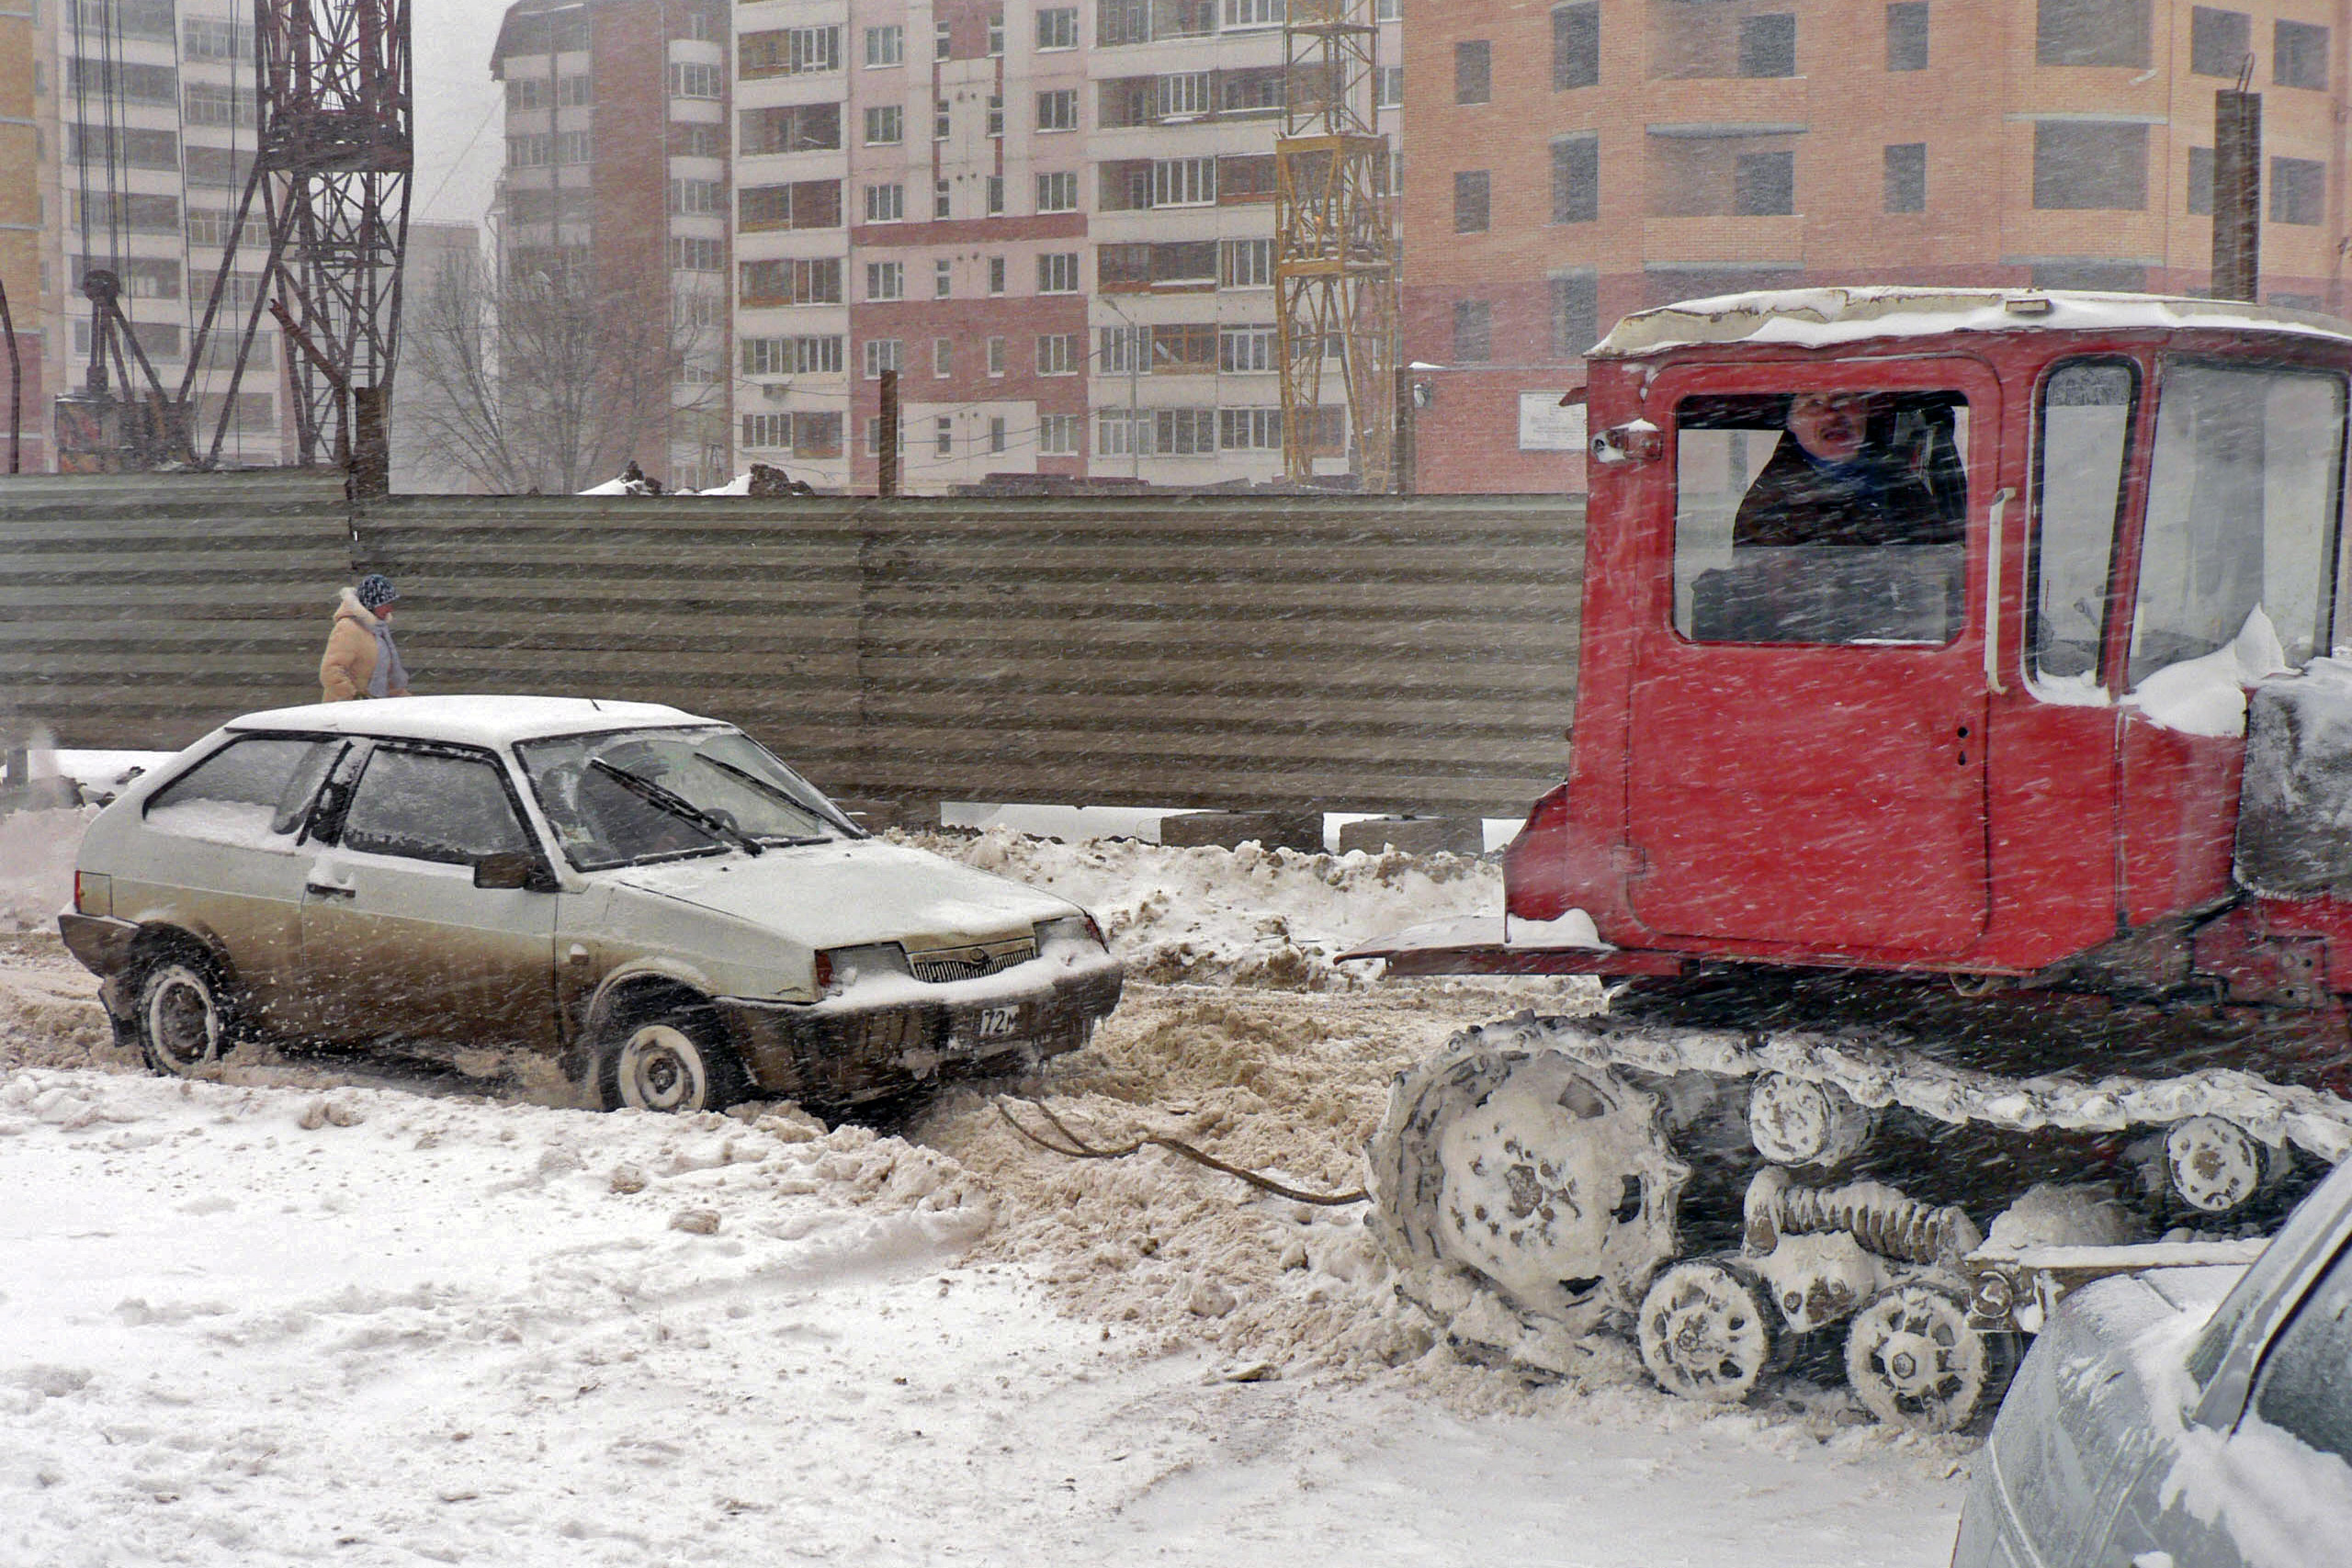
{"x":1820,"y":517}
{"x":2084,"y":427}
{"x":2243,"y":500}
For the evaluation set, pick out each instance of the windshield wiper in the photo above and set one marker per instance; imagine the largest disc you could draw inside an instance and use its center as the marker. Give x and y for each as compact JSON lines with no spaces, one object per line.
{"x":775,"y":792}
{"x":677,"y":806}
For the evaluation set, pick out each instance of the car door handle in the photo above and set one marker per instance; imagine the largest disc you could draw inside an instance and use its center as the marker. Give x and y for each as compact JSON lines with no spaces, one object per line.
{"x":328,"y":890}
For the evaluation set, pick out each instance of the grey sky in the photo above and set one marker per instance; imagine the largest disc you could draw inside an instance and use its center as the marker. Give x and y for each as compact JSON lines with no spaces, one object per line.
{"x":459,"y":133}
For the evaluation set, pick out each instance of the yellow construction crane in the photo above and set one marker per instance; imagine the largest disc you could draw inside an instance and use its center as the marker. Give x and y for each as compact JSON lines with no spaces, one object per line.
{"x":1335,"y":245}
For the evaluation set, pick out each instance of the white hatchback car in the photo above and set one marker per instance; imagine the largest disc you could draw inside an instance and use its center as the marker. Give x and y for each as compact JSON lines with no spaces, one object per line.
{"x":650,"y":896}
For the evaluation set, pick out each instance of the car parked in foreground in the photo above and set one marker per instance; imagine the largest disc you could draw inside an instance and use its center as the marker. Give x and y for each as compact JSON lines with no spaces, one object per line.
{"x":2185,"y":1417}
{"x":650,"y":896}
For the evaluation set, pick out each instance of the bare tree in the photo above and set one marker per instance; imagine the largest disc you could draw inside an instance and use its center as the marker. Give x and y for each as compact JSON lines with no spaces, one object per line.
{"x":539,"y":380}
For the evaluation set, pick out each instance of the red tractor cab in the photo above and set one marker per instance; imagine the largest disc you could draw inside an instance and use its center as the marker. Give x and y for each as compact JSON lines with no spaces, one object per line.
{"x":1918,"y":630}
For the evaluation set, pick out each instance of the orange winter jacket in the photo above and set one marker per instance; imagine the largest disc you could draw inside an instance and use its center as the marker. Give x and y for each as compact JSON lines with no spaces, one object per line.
{"x":350,"y":661}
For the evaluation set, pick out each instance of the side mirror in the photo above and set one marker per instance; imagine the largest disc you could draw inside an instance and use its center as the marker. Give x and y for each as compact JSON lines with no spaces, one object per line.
{"x":511,"y":869}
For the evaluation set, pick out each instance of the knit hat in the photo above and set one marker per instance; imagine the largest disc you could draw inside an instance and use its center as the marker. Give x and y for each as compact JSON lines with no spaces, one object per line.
{"x":375,"y":590}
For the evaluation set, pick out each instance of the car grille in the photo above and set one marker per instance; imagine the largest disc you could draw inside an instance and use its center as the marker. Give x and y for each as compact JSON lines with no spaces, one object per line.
{"x":971,"y":963}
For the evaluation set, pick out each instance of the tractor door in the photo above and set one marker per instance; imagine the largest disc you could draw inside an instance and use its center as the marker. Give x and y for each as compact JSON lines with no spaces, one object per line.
{"x":1807,"y":757}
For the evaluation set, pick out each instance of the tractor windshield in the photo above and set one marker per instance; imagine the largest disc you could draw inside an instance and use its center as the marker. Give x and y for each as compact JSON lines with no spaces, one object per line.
{"x":2243,"y":500}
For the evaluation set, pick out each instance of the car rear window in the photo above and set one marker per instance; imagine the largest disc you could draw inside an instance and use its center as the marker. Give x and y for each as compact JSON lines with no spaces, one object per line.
{"x":253,"y":792}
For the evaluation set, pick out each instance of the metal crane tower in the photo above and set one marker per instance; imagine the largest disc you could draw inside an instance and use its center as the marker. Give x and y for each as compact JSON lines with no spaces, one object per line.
{"x":332,"y":173}
{"x":1335,"y":250}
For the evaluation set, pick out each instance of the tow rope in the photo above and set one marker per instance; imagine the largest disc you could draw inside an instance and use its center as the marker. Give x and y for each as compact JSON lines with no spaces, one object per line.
{"x":1078,"y":1149}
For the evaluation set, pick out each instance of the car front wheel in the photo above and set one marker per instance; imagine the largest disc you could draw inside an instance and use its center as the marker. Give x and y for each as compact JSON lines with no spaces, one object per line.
{"x":671,"y":1061}
{"x":183,"y":1025}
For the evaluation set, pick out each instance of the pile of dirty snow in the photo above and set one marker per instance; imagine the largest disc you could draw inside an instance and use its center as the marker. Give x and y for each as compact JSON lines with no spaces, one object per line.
{"x":1247,"y":916}
{"x":37,"y":865}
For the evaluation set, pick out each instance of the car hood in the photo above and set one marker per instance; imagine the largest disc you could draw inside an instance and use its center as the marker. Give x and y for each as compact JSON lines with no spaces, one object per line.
{"x":840,"y":894}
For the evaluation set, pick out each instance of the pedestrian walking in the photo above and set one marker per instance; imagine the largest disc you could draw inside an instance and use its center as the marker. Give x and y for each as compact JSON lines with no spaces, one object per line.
{"x":361,"y":661}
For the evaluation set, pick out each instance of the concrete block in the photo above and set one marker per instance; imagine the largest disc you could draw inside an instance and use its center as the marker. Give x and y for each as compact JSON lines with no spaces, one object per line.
{"x":1300,"y":830}
{"x":1415,"y":835}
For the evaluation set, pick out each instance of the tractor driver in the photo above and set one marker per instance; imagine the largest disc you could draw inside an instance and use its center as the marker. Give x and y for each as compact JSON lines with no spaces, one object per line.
{"x":1829,"y":483}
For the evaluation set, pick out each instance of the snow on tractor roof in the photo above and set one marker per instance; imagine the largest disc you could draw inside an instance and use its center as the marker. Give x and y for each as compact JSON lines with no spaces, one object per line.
{"x":473,"y":720}
{"x":1821,"y":318}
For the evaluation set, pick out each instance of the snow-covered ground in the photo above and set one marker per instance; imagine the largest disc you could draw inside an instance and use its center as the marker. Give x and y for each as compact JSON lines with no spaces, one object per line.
{"x":368,"y":1312}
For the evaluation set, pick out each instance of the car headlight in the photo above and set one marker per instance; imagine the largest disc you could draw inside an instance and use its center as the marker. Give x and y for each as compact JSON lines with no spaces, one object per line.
{"x":1070,"y":929}
{"x":837,"y":968}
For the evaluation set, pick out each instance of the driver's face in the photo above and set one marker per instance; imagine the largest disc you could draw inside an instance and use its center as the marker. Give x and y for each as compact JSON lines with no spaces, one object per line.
{"x":1830,"y":425}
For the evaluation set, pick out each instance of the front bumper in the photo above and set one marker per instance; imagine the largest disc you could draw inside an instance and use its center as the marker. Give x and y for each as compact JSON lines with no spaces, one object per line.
{"x":872,"y":1042}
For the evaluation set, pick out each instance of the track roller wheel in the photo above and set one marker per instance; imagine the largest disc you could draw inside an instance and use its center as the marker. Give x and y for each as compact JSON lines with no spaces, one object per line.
{"x":1708,"y":1330}
{"x":1914,"y":1362}
{"x":2215,"y":1166}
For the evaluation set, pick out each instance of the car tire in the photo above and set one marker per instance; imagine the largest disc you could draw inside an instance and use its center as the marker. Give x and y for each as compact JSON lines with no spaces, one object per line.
{"x":670,"y":1059}
{"x":183,"y":1016}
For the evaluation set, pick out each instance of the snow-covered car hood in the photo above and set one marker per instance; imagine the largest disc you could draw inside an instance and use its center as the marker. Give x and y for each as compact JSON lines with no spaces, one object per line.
{"x":840,"y":894}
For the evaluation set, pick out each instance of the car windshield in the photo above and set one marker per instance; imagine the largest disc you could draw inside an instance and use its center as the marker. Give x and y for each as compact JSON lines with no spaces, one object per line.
{"x":699,"y":791}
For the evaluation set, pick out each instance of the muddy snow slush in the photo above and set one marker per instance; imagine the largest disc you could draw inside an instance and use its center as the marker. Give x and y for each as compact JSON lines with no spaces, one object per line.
{"x":1960,"y":814}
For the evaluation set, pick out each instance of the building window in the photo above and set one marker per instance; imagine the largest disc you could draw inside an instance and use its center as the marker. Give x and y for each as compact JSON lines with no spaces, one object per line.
{"x":885,"y":46}
{"x":2219,"y":41}
{"x":874,"y":436}
{"x":1122,"y":351}
{"x":943,"y":278}
{"x":1244,"y":14}
{"x":1907,"y":178}
{"x":1060,"y":354}
{"x":1907,"y":35}
{"x":942,"y":436}
{"x":996,"y":35}
{"x":941,"y":124}
{"x":692,"y":81}
{"x":1057,"y":110}
{"x":1057,"y":28}
{"x":1576,"y":46}
{"x":943,"y":357}
{"x":808,"y":204}
{"x":523,"y":93}
{"x":1183,"y":182}
{"x":886,"y":280}
{"x":1576,"y":314}
{"x":996,"y":275}
{"x":881,"y":354}
{"x":2092,"y":275}
{"x":1764,"y":184}
{"x":698,"y":196}
{"x":996,"y":114}
{"x":768,"y":430}
{"x":813,"y":281}
{"x":1057,"y":434}
{"x":1473,"y":332}
{"x":1057,"y":193}
{"x":1389,"y":87}
{"x":1246,"y":264}
{"x":996,"y":356}
{"x":795,"y":127}
{"x":1249,"y":430}
{"x":1473,"y":72}
{"x":1184,"y":349}
{"x":1767,"y":45}
{"x":1471,"y":189}
{"x":1387,"y":10}
{"x":996,"y":432}
{"x":1185,"y":94}
{"x":2088,"y":165}
{"x":941,"y":203}
{"x":2200,"y":182}
{"x":884,"y":124}
{"x":700,"y":140}
{"x":885,"y":204}
{"x":690,"y":255}
{"x":1575,"y":179}
{"x":2298,"y":190}
{"x":943,"y":39}
{"x":790,"y":51}
{"x":996,"y":196}
{"x":792,"y":356}
{"x":1242,"y":350}
{"x":1057,"y":273}
{"x":2092,"y":33}
{"x":575,"y":92}
{"x":2299,"y":55}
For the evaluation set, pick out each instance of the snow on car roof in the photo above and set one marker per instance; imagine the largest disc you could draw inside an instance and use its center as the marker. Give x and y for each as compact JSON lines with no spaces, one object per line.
{"x":475,"y":720}
{"x":1816,"y":317}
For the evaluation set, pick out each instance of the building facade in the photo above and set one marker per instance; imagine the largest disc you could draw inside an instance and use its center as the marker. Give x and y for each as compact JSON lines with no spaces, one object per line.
{"x":24,"y":424}
{"x":1054,"y":221}
{"x":152,"y":109}
{"x":611,"y":214}
{"x":1594,"y":159}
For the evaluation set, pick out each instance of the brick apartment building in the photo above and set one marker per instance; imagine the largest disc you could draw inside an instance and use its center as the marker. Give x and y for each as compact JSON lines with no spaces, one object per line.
{"x":1054,"y":219}
{"x":616,"y":182}
{"x":1582,"y":161}
{"x":22,"y":147}
{"x":183,"y":116}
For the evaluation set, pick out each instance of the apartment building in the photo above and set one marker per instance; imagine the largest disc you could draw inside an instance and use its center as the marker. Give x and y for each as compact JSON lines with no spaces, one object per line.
{"x":1583,"y":162}
{"x":1054,"y":221}
{"x":24,"y":421}
{"x":615,"y":196}
{"x":167,"y":85}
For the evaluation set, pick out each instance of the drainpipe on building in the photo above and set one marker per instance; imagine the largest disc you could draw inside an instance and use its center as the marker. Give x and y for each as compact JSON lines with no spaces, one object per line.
{"x":2237,"y":190}
{"x":16,"y":387}
{"x":886,"y":438}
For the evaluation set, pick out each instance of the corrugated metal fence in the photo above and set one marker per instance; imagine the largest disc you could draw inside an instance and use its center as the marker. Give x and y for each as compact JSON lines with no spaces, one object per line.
{"x":1363,"y":653}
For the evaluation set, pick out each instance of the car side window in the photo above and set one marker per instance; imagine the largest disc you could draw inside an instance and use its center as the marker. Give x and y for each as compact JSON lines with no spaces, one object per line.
{"x":2086,"y":427}
{"x":432,"y":806}
{"x":2306,"y":1386}
{"x":1820,"y":517}
{"x":253,"y":792}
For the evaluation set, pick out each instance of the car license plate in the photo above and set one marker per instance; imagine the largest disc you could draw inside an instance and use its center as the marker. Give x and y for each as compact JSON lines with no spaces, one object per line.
{"x":999,"y":1023}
